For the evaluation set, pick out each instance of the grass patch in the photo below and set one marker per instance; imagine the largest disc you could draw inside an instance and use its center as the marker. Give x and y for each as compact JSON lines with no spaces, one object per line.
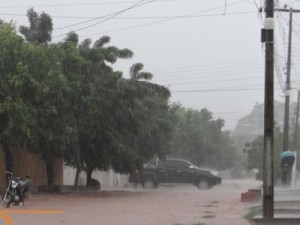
{"x":254,"y":211}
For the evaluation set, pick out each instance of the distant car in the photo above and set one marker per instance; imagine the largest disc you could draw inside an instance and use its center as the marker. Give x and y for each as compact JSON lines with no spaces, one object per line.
{"x":175,"y":171}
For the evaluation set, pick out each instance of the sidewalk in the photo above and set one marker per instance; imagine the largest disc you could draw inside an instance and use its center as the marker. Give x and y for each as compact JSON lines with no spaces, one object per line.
{"x":286,"y":208}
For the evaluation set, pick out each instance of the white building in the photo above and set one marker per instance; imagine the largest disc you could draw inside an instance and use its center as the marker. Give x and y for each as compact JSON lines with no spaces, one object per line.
{"x":108,"y":180}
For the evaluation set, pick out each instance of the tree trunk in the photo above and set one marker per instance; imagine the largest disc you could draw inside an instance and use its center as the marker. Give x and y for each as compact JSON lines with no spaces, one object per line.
{"x":89,"y":178}
{"x":77,"y":178}
{"x":50,"y":173}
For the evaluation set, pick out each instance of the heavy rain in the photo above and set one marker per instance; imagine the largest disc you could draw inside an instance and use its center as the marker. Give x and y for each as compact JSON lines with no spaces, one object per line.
{"x":152,"y":112}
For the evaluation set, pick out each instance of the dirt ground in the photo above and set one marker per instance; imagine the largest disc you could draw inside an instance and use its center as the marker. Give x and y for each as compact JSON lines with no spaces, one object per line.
{"x":167,"y":205}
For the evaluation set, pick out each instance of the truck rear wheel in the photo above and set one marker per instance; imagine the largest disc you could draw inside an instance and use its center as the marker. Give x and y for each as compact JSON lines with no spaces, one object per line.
{"x":149,"y":183}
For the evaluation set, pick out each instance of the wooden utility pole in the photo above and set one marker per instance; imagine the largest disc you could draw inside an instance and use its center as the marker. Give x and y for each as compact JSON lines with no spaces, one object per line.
{"x":268,"y":156}
{"x":296,"y":123}
{"x":288,"y":89}
{"x":286,"y":174}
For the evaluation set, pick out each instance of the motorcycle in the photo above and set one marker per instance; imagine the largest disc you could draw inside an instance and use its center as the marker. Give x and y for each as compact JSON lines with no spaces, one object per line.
{"x":16,"y":190}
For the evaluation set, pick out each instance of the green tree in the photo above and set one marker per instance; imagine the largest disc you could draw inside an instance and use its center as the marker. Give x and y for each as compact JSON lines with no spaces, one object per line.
{"x":94,"y":86}
{"x":40,"y":27}
{"x":65,"y":100}
{"x":16,"y":88}
{"x":136,"y":73}
{"x":199,"y":138}
{"x":51,"y":127}
{"x":255,"y":148}
{"x":146,"y":120}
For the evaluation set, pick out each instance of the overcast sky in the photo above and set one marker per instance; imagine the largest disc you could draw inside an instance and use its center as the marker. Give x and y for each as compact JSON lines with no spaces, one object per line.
{"x":208,"y":52}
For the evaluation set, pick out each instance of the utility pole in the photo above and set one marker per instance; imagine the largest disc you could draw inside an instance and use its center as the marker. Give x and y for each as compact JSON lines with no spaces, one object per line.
{"x":268,"y":156}
{"x":287,"y":89}
{"x":296,"y":122}
{"x":286,"y":174}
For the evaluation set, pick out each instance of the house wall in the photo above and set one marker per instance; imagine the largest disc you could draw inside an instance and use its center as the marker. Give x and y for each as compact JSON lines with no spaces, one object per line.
{"x":108,"y":180}
{"x":29,"y":164}
{"x":2,"y":169}
{"x":26,"y":163}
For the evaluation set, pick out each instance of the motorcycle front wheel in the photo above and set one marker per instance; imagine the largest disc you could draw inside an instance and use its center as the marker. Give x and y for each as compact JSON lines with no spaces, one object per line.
{"x":8,"y":200}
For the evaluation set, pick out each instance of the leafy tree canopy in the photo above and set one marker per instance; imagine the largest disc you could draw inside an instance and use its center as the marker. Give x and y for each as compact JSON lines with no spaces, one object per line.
{"x":255,"y":148}
{"x":40,"y":27}
{"x":199,"y":138}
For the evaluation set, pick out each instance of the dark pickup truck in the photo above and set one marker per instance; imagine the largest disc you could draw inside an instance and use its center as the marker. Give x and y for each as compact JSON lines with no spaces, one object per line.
{"x":175,"y":171}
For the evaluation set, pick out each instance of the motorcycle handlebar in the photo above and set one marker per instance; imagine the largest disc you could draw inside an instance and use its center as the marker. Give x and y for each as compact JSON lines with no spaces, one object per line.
{"x":8,"y":172}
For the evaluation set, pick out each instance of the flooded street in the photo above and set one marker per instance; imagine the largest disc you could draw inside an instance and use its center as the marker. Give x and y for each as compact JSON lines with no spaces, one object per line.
{"x":168,"y":205}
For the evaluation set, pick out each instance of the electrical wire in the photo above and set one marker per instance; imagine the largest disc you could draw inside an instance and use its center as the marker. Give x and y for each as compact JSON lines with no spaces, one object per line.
{"x":207,"y":69}
{"x":259,"y":11}
{"x":219,"y":90}
{"x":76,"y":4}
{"x":158,"y":22}
{"x":195,"y":14}
{"x":209,"y":72}
{"x":294,"y":44}
{"x":225,"y":8}
{"x":110,"y":15}
{"x":189,"y":78}
{"x":66,"y":5}
{"x":127,"y":18}
{"x":214,"y":81}
{"x":223,"y":90}
{"x":113,"y":15}
{"x":253,"y":62}
{"x":138,"y":4}
{"x":278,"y":67}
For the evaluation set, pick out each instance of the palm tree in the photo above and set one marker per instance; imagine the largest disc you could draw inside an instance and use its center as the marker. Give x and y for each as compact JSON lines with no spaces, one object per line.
{"x":136,"y":74}
{"x":40,"y":28}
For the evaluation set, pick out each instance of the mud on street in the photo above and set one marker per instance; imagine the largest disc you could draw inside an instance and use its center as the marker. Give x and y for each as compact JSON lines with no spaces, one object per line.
{"x":167,"y":205}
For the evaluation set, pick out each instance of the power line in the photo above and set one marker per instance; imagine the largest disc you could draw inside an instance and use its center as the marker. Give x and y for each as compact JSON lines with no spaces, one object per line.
{"x":259,"y":11}
{"x":138,"y":4}
{"x":128,"y":18}
{"x":224,"y":90}
{"x":190,"y":15}
{"x":66,"y":5}
{"x":113,"y":15}
{"x":278,"y":69}
{"x":200,"y":78}
{"x":162,"y":21}
{"x":108,"y":16}
{"x":75,"y":4}
{"x":207,"y":73}
{"x":234,"y":112}
{"x":214,"y":70}
{"x":215,"y":81}
{"x":173,"y":18}
{"x":212,"y":65}
{"x":258,"y":8}
{"x":253,"y":68}
{"x":225,"y":8}
{"x":219,"y":90}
